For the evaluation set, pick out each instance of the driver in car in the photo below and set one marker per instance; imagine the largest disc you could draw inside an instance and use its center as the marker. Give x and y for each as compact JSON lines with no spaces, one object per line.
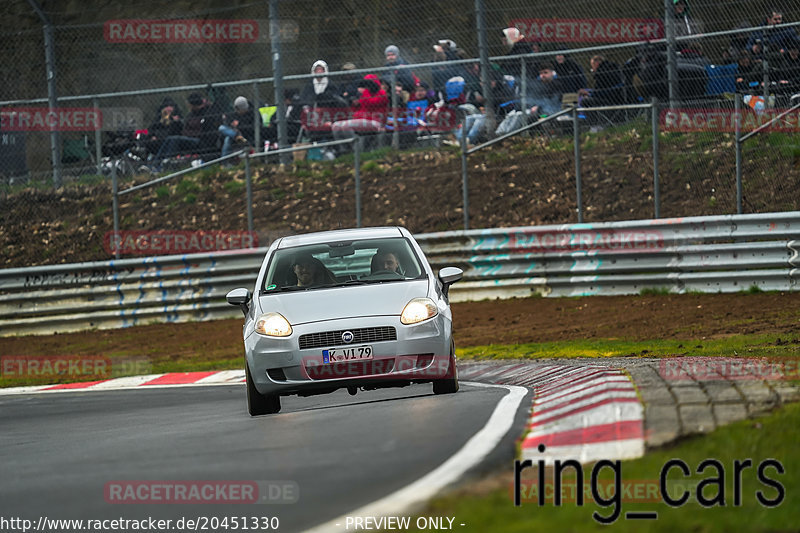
{"x":311,"y":272}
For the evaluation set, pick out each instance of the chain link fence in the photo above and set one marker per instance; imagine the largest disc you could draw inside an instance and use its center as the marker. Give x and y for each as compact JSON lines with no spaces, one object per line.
{"x":108,"y":71}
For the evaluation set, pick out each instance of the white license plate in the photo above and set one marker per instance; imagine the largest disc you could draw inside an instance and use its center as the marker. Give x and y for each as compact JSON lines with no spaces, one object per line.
{"x":350,"y":353}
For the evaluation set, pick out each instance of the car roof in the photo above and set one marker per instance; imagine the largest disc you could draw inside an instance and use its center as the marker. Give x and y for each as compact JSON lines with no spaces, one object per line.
{"x":351,"y":234}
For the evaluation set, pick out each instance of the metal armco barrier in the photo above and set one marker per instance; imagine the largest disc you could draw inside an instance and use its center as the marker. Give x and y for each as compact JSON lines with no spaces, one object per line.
{"x":705,"y":254}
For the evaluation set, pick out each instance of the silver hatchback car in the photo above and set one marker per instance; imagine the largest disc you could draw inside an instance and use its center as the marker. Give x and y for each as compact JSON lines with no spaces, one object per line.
{"x":356,"y":309}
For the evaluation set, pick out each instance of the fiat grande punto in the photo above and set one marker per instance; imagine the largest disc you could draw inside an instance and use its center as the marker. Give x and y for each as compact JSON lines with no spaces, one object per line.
{"x":359,"y":309}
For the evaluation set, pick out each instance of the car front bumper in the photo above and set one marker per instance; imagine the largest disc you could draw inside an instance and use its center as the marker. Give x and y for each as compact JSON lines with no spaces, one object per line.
{"x":422,"y":352}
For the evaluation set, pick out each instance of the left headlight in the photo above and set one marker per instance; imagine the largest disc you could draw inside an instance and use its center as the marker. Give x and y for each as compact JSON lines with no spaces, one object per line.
{"x":417,"y":310}
{"x":273,"y":325}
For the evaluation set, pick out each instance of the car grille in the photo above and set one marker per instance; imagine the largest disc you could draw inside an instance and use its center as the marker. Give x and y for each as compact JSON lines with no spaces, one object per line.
{"x":360,"y":336}
{"x":351,"y":370}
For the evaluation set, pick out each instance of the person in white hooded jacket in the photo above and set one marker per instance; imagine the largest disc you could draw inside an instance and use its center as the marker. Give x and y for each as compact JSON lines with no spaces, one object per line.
{"x":319,"y":91}
{"x":320,"y":94}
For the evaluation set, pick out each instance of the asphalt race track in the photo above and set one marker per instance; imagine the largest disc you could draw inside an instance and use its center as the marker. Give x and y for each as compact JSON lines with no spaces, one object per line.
{"x":59,"y":451}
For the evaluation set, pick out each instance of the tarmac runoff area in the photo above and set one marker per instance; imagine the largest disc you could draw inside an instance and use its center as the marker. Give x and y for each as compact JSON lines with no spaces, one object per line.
{"x":583,"y":409}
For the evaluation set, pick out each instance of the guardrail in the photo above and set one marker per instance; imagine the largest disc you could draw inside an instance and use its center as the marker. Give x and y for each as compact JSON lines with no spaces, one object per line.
{"x":707,"y":254}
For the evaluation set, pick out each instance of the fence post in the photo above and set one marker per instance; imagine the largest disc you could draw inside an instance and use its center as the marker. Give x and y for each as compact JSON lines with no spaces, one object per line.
{"x":737,"y":113}
{"x":257,"y":122}
{"x":52,"y":95}
{"x":765,"y":71}
{"x":277,"y":73}
{"x":576,"y":134}
{"x":486,"y":67}
{"x":249,"y":180}
{"x":672,"y":52}
{"x":115,"y":208}
{"x":464,"y":179}
{"x":656,"y":185}
{"x":395,"y":128}
{"x":357,"y":162}
{"x":523,"y":89}
{"x":98,"y":142}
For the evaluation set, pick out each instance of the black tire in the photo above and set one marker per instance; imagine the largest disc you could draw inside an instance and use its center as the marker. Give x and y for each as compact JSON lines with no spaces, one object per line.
{"x":257,"y":403}
{"x":449,"y":383}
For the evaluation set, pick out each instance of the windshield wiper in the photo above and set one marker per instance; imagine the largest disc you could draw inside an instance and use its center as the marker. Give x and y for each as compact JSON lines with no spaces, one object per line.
{"x":287,"y":288}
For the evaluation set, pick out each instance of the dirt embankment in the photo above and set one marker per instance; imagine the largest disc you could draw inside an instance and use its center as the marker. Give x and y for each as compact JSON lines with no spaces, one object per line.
{"x":517,"y":321}
{"x":527,"y":181}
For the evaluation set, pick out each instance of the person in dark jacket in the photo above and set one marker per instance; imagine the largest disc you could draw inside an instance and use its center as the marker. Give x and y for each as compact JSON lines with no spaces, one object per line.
{"x":543,"y":97}
{"x":788,"y":72}
{"x":686,"y":25}
{"x":238,"y":126}
{"x":168,"y":122}
{"x":348,"y":84}
{"x":294,"y":112}
{"x":321,"y":94}
{"x":405,"y":77}
{"x":607,"y":84}
{"x":572,"y":77}
{"x":748,"y":77}
{"x":774,"y":39}
{"x":200,"y":131}
{"x":513,"y":39}
{"x":444,"y":52}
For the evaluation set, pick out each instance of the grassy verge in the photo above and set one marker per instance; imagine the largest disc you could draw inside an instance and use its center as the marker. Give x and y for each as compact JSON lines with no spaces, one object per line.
{"x":774,"y":436}
{"x":102,"y":354}
{"x":732,"y":346}
{"x":125,"y":353}
{"x":51,"y":370}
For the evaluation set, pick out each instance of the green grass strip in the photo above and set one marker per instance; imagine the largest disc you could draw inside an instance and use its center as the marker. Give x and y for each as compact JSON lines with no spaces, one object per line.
{"x":774,"y":436}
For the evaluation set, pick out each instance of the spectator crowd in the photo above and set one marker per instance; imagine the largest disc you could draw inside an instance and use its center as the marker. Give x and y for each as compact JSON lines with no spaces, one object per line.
{"x":523,"y":90}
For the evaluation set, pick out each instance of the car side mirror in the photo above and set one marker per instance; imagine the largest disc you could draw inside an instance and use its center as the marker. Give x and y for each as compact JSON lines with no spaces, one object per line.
{"x":448,"y":276}
{"x":240,"y":297}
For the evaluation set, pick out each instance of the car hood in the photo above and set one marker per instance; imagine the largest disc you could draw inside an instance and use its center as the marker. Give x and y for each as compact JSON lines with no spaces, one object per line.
{"x":301,"y":307}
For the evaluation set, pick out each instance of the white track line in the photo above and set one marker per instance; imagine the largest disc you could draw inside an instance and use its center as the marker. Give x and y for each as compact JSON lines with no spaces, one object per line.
{"x":224,"y":376}
{"x":123,"y":383}
{"x":403,"y":501}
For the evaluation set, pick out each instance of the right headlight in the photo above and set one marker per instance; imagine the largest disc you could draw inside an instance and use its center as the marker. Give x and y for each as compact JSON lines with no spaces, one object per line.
{"x":418,"y":310}
{"x":273,"y":325}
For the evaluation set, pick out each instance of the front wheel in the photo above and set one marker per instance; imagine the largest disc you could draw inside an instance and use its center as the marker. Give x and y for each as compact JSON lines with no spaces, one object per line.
{"x":257,"y":403}
{"x":449,"y":383}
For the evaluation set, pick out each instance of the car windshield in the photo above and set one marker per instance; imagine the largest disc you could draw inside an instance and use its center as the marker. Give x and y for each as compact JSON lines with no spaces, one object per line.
{"x":342,"y":263}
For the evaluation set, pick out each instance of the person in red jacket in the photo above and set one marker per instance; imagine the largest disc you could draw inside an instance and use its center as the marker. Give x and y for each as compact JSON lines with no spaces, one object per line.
{"x":369,"y":111}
